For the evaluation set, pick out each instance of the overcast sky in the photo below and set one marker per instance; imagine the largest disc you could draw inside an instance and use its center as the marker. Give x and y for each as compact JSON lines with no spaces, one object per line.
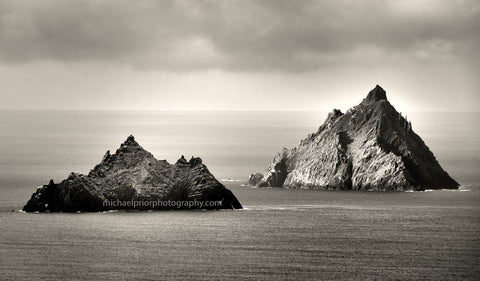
{"x":238,"y":55}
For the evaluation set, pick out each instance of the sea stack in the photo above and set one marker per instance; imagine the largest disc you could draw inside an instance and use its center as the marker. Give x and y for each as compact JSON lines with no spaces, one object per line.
{"x":370,"y":147}
{"x":132,"y":178}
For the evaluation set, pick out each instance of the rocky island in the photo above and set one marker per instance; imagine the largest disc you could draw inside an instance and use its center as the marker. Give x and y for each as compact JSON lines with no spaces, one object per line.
{"x":132,"y":178}
{"x":369,"y":147}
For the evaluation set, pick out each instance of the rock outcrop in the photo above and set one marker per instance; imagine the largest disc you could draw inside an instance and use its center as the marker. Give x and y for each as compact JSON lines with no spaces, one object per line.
{"x":132,"y":178}
{"x":370,"y":147}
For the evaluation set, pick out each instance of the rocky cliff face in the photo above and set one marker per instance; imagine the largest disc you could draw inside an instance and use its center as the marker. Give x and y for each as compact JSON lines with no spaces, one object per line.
{"x":370,"y":147}
{"x":132,"y":174}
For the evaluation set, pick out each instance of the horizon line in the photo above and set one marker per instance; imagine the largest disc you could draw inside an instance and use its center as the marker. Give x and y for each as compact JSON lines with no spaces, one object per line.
{"x":203,"y":110}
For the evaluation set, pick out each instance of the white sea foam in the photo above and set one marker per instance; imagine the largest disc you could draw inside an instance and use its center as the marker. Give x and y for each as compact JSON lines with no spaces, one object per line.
{"x":230,"y":180}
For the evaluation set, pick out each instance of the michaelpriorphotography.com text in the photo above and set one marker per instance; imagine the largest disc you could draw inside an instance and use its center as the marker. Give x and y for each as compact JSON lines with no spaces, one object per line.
{"x":179,"y":204}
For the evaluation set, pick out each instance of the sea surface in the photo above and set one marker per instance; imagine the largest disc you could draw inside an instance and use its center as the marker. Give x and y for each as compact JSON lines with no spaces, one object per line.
{"x":280,"y":235}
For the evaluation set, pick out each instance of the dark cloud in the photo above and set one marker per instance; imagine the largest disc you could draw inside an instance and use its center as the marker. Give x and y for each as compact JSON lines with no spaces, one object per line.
{"x":237,"y":35}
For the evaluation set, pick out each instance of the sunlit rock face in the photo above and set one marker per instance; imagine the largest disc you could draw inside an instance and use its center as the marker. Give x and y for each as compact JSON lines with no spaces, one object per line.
{"x":133,"y":174}
{"x":370,"y":147}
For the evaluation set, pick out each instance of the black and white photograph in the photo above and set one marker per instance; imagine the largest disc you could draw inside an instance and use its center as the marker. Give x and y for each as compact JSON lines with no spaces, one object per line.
{"x":239,"y":140}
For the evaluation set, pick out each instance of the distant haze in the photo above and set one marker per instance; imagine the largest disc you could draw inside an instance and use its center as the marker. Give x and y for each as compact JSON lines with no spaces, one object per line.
{"x":238,"y":55}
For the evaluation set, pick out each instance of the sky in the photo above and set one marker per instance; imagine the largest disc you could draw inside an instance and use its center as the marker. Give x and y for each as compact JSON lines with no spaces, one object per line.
{"x":239,"y":55}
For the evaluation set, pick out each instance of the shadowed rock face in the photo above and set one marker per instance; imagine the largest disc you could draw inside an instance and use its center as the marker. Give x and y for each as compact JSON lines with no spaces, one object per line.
{"x":133,"y":174}
{"x":370,"y":147}
{"x":377,"y":94}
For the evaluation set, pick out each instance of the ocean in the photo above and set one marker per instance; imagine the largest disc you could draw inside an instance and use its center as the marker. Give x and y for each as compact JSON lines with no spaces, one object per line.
{"x":280,"y":235}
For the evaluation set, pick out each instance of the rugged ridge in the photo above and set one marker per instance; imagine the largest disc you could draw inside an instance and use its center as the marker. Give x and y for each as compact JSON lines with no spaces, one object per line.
{"x":370,"y":147}
{"x":133,"y":174}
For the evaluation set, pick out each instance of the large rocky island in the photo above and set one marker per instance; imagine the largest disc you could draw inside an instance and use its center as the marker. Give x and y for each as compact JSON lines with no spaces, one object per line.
{"x":370,"y":147}
{"x":132,"y":178}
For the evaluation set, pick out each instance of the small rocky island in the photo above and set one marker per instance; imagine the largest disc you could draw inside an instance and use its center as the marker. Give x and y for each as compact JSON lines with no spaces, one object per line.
{"x":370,"y":147}
{"x":132,"y":178}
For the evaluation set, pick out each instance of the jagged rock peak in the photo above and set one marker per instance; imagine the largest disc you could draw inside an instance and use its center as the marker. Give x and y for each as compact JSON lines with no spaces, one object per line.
{"x":195,"y":161}
{"x":182,"y":161}
{"x":130,"y":141}
{"x":377,"y":94}
{"x":130,"y":146}
{"x":334,"y":115}
{"x":370,"y":147}
{"x":106,"y":156}
{"x":132,"y":173}
{"x":192,"y":162}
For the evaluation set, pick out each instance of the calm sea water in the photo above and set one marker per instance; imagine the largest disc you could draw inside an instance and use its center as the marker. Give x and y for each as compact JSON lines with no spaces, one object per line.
{"x":281,"y":235}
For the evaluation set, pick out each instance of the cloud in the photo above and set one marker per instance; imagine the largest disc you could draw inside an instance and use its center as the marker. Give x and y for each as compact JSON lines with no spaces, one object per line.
{"x":237,"y":35}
